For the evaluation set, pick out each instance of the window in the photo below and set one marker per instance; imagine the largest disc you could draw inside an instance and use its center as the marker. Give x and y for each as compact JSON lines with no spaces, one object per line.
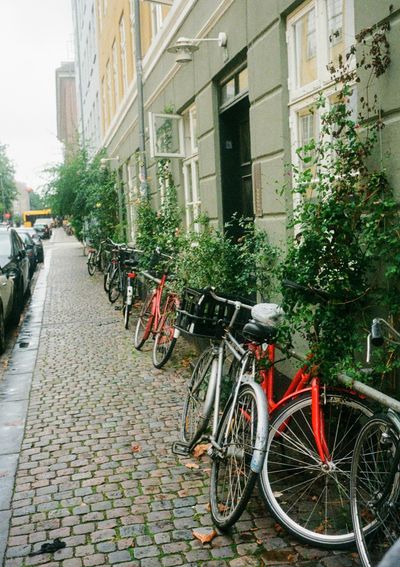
{"x":109,"y":90}
{"x":115,"y":73}
{"x":191,"y":170}
{"x":317,"y":33}
{"x":316,"y":36}
{"x":122,"y":37}
{"x":235,"y":87}
{"x":166,"y":135}
{"x":104,"y":104}
{"x":156,"y":19}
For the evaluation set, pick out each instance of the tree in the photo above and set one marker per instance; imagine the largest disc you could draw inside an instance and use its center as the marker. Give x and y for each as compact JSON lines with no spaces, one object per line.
{"x":85,"y":191}
{"x":7,"y":183}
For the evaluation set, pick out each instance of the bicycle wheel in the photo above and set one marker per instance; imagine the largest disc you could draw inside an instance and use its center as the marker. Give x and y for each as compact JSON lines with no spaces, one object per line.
{"x":196,"y":412}
{"x":128,"y":299}
{"x":164,"y":342}
{"x":375,"y":489}
{"x":107,"y":277}
{"x":126,"y":311}
{"x":242,"y":436}
{"x":91,"y":263}
{"x":309,"y":498}
{"x":144,"y":322}
{"x":114,"y":290}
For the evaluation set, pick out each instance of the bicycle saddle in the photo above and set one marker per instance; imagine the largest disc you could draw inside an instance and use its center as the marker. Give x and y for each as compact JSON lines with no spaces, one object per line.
{"x":258,"y":332}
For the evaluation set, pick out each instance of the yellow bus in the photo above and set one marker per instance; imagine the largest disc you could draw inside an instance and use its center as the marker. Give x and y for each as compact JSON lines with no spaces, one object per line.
{"x":29,"y":217}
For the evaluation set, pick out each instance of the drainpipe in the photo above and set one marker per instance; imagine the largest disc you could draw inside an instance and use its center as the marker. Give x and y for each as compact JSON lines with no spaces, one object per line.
{"x":144,"y":190}
{"x":78,"y":53}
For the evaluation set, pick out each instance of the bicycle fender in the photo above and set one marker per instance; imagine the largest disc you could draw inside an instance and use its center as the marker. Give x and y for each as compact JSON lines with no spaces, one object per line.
{"x":258,"y":457}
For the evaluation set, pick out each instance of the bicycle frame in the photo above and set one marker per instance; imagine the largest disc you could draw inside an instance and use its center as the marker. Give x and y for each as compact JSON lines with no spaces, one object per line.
{"x":301,"y":382}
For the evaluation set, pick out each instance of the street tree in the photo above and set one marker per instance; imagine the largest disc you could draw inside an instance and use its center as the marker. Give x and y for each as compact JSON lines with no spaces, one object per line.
{"x":7,"y":182}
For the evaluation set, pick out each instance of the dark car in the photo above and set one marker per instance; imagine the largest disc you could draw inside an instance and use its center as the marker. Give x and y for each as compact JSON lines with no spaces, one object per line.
{"x":36,"y":240}
{"x":14,"y":264}
{"x":31,"y":250}
{"x":43,"y":228}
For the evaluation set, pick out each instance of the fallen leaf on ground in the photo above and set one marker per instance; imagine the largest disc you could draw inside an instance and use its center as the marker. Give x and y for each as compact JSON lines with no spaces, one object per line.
{"x":185,"y":362}
{"x":205,"y":537}
{"x":199,"y":450}
{"x":192,"y":465}
{"x":208,"y":507}
{"x":278,"y":529}
{"x":135,"y":448}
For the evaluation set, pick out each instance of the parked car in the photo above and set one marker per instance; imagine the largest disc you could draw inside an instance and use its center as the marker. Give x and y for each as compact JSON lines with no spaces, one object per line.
{"x":43,"y":227}
{"x":36,"y":239}
{"x":31,"y":250}
{"x":14,"y":265}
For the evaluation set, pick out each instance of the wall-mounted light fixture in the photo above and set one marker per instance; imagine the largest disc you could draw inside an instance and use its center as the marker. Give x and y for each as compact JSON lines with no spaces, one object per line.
{"x":104,"y":160}
{"x":184,"y":46}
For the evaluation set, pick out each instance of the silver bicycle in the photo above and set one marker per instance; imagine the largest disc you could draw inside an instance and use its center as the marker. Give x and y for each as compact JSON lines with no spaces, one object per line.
{"x":222,"y":386}
{"x":375,"y":469}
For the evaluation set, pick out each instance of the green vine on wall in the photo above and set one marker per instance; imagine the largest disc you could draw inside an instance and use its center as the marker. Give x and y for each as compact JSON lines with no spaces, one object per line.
{"x":348,"y":241}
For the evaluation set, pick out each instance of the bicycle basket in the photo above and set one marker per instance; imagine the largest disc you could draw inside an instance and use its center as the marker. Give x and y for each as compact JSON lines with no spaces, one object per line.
{"x":201,"y":315}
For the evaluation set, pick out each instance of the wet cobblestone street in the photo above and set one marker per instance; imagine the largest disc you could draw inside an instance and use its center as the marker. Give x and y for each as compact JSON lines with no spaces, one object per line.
{"x":96,"y":468}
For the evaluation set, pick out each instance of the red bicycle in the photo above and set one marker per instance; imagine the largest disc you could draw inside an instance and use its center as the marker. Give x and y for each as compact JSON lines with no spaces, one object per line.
{"x":157,"y":318}
{"x":305,"y":480}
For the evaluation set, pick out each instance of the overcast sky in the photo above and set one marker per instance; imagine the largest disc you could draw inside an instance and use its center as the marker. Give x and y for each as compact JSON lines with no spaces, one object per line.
{"x":35,"y":37}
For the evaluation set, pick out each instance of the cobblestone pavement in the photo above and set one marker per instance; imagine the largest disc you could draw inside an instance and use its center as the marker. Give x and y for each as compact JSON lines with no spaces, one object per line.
{"x":96,"y":468}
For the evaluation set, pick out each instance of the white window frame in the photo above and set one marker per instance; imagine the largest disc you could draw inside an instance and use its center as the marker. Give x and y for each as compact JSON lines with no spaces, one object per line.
{"x":122,"y":36}
{"x":115,"y":66}
{"x":109,"y":90}
{"x":156,"y":19}
{"x":190,"y":171}
{"x":152,"y":130}
{"x":322,"y":45}
{"x":304,"y":97}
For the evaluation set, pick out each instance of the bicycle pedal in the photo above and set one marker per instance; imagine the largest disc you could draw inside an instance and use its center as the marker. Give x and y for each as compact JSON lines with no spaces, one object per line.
{"x":118,"y":308}
{"x":181,"y":448}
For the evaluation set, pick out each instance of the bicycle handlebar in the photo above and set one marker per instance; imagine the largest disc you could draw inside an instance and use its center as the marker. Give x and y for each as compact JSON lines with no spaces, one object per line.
{"x":236,"y":304}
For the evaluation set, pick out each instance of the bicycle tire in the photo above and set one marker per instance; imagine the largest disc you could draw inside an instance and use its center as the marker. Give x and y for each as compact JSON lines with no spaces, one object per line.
{"x":165,"y":341}
{"x":144,"y":322}
{"x":126,"y":311}
{"x":107,"y":276}
{"x":91,"y":263}
{"x":308,"y":498}
{"x":236,"y":467}
{"x":114,"y":290}
{"x":374,"y":492}
{"x":196,"y":412}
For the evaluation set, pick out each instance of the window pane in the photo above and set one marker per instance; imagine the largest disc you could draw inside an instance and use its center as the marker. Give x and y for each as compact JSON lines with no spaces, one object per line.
{"x":167,"y":135}
{"x":5,"y":246}
{"x":228,"y":91}
{"x":243,"y":80}
{"x":335,"y":10}
{"x":307,"y":131}
{"x":306,"y":48}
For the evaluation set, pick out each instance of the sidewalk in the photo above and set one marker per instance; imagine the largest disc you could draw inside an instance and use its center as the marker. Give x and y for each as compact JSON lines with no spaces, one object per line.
{"x":96,"y":468}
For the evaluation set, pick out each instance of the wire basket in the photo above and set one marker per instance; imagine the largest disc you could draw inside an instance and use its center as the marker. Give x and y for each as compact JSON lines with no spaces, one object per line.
{"x":202,"y":315}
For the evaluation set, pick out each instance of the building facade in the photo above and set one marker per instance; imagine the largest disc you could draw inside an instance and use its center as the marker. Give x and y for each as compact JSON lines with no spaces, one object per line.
{"x":87,"y":74}
{"x":66,"y":106}
{"x":231,"y":117}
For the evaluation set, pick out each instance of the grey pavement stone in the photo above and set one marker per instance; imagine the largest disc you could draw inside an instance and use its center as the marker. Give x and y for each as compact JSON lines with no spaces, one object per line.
{"x":92,"y":399}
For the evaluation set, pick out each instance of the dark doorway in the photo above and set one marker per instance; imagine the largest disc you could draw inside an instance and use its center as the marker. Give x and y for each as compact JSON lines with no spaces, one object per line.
{"x":237,"y":192}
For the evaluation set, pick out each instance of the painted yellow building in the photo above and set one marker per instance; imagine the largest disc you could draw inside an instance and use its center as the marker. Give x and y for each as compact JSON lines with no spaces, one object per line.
{"x":116,"y":49}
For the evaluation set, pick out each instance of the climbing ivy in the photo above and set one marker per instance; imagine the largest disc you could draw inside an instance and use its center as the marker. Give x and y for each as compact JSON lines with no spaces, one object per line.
{"x":346,"y":223}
